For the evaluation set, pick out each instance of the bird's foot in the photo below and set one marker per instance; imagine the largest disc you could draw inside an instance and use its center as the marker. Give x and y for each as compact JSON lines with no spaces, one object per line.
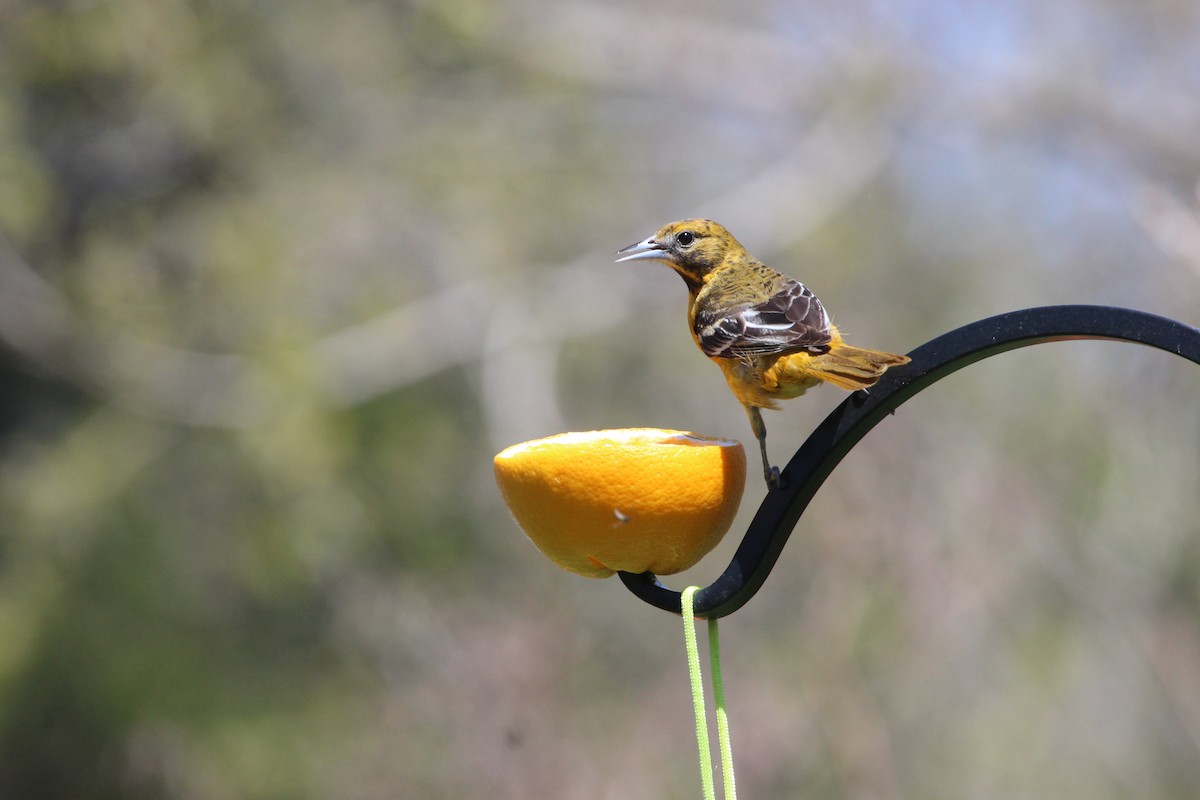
{"x":774,"y":478}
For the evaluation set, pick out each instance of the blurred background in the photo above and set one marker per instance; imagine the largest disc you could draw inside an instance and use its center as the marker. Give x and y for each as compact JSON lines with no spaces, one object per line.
{"x":278,"y":279}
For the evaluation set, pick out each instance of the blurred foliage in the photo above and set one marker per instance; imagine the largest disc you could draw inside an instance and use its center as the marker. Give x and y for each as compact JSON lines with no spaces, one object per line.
{"x":277,"y":279}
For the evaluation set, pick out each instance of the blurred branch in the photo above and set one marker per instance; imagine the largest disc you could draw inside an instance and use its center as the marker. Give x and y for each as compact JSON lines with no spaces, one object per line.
{"x":519,"y":327}
{"x":1153,"y":124}
{"x":624,"y":47}
{"x":404,"y":345}
{"x":34,"y":319}
{"x":159,"y":381}
{"x":1173,"y":226}
{"x":843,"y":152}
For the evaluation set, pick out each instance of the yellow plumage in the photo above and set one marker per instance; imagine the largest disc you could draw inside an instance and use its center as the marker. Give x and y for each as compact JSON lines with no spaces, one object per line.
{"x":767,"y":332}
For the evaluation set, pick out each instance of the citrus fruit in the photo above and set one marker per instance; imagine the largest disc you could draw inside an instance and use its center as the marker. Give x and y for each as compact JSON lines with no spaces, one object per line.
{"x":635,"y":499}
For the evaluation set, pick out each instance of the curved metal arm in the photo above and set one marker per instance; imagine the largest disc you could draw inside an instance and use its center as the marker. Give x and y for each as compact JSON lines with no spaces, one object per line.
{"x":850,"y":421}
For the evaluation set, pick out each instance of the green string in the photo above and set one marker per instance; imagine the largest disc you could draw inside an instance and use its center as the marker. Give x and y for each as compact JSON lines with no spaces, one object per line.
{"x":693,"y":659}
{"x":725,"y":743}
{"x":697,"y":681}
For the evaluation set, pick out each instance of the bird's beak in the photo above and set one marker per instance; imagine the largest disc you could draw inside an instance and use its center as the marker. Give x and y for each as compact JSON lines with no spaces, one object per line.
{"x":650,"y":249}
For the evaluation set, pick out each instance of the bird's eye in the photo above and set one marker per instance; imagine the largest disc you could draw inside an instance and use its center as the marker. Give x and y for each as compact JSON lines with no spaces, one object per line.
{"x":686,"y":238}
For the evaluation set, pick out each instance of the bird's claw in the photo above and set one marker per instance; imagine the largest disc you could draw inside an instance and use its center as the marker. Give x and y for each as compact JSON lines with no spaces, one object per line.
{"x":774,"y":478}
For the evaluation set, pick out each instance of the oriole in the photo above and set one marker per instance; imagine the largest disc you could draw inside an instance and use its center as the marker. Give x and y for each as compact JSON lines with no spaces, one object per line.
{"x":767,"y":332}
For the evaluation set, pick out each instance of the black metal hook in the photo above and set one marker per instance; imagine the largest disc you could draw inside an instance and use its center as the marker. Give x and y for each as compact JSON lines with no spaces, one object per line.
{"x":850,"y":421}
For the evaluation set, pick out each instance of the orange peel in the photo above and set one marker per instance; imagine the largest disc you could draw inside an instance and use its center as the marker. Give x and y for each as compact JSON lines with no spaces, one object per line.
{"x":633,"y":499}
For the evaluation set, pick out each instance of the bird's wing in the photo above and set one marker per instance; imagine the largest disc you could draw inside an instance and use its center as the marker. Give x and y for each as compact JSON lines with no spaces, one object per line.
{"x":791,"y":320}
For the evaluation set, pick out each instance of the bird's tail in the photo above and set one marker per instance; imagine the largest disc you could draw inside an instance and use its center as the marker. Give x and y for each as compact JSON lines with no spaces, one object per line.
{"x":852,"y":368}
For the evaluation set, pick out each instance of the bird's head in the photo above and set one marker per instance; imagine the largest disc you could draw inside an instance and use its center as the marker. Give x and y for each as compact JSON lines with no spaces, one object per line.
{"x":692,"y":247}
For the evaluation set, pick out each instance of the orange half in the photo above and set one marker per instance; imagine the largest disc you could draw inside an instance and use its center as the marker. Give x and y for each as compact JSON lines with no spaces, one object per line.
{"x":634,"y":499}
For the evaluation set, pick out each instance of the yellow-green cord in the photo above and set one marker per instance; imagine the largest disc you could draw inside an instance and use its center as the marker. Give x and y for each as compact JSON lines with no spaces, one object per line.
{"x":725,"y":743}
{"x":693,"y":659}
{"x":697,"y":680}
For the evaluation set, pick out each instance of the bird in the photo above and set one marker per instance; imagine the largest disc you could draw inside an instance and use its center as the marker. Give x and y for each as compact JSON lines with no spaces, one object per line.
{"x":768,"y":332}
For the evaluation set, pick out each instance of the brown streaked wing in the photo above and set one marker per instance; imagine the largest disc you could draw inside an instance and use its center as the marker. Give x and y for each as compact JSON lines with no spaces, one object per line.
{"x":791,"y":320}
